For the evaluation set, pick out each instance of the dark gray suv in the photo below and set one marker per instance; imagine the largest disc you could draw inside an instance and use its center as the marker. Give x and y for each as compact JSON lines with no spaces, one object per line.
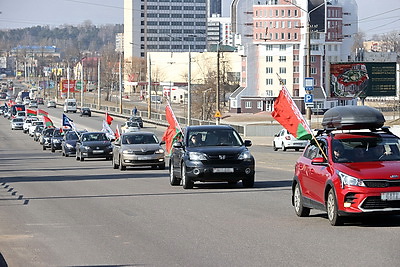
{"x":211,"y":153}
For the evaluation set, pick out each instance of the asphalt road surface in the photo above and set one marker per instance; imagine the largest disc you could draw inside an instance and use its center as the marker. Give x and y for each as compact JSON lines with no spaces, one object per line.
{"x":57,"y":211}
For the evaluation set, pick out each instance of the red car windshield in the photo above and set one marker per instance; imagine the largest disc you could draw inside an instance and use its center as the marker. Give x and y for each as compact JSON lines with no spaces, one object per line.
{"x":366,"y":149}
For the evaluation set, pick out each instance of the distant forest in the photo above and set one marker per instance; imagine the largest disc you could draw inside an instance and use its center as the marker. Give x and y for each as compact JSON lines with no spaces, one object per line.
{"x":84,"y":37}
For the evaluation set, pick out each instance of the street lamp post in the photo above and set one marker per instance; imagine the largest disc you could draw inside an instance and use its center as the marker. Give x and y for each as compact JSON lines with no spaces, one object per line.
{"x":308,"y":56}
{"x":120,"y":82}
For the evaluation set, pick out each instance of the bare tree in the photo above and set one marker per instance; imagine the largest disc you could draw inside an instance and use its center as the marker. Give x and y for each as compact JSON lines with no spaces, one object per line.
{"x":392,"y":41}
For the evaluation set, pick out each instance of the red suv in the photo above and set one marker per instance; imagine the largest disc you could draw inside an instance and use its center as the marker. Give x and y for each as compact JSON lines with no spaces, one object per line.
{"x":352,"y":167}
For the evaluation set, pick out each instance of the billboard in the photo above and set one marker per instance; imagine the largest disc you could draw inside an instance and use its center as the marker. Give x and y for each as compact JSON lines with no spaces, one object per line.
{"x":362,"y":79}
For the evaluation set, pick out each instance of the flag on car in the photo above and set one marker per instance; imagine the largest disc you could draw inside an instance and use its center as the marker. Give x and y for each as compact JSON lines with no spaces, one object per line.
{"x":68,"y":122}
{"x":289,"y":116}
{"x":107,"y":129}
{"x":42,"y":112}
{"x":109,"y":119}
{"x":47,"y":121}
{"x":117,"y":133}
{"x":173,"y":132}
{"x":30,"y":112}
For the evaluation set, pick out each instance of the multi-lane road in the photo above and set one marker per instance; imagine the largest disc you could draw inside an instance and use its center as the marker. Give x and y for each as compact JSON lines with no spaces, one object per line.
{"x":56,"y":211}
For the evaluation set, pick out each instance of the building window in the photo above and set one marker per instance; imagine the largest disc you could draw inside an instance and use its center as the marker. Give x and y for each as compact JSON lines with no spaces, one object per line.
{"x":296,"y":80}
{"x":276,"y":36}
{"x":296,"y":46}
{"x":269,"y":93}
{"x":269,"y":70}
{"x":313,"y":71}
{"x":289,"y":24}
{"x":247,"y":104}
{"x":259,"y":105}
{"x":282,"y":35}
{"x":289,"y":36}
{"x":282,"y":58}
{"x":314,"y":47}
{"x":295,"y":35}
{"x":282,"y":69}
{"x":268,"y":47}
{"x":296,"y":69}
{"x":288,"y":13}
{"x":313,"y":59}
{"x":269,"y":81}
{"x":268,"y":58}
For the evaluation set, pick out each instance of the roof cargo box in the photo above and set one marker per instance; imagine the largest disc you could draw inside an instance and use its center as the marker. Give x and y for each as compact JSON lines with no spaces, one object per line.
{"x":352,"y":118}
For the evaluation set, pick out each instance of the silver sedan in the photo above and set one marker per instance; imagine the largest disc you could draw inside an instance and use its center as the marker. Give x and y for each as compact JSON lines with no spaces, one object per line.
{"x":138,"y":149}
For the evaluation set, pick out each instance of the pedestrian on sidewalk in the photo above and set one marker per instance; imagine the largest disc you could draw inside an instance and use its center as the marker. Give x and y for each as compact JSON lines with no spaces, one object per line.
{"x":134,"y":111}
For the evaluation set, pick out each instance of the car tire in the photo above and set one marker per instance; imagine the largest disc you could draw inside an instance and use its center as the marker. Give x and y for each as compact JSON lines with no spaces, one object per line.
{"x":332,"y":209}
{"x":300,"y":210}
{"x":248,"y":182}
{"x":44,"y":148}
{"x":81,"y":158}
{"x":115,"y":166}
{"x":121,"y":166}
{"x":275,"y":148}
{"x":187,"y":183}
{"x":52,"y":150}
{"x":173,"y":180}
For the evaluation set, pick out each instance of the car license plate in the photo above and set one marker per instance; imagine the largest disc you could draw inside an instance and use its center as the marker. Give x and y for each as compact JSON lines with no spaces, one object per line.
{"x":222,"y":170}
{"x":390,"y":196}
{"x":98,"y":151}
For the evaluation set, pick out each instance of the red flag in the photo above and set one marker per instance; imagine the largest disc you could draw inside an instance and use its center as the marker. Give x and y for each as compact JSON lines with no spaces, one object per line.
{"x":42,"y":112}
{"x":18,"y":108}
{"x":117,"y":133}
{"x":289,"y":116}
{"x":30,"y":112}
{"x":109,"y":119}
{"x":173,"y":132}
{"x":47,"y":121}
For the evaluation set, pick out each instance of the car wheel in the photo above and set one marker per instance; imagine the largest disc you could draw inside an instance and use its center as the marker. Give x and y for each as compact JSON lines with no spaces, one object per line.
{"x":53,"y":150}
{"x":115,"y":166}
{"x":121,"y":166}
{"x":332,"y":209}
{"x":173,"y":180}
{"x":44,"y":148}
{"x":248,"y":182}
{"x":275,"y":148}
{"x":300,"y":210}
{"x":81,"y":158}
{"x":187,"y":183}
{"x":296,"y":149}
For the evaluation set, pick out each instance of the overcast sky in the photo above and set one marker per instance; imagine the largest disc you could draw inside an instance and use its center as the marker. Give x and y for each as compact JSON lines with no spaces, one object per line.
{"x":375,"y":17}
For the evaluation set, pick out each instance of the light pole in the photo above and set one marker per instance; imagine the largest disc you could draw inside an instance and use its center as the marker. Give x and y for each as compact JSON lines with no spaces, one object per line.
{"x":120,"y":82}
{"x":308,"y":56}
{"x":149,"y":91}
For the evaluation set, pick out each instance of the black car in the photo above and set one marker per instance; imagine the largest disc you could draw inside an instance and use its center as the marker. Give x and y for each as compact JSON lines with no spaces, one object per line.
{"x":56,"y":139}
{"x":137,"y":119}
{"x":218,"y":154}
{"x":86,"y":112}
{"x":68,"y":145}
{"x":93,"y":145}
{"x":45,"y":138}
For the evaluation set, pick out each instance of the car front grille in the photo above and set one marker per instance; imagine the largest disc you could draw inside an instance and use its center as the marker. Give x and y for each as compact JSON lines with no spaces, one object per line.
{"x":150,"y":152}
{"x":377,"y":203}
{"x":381,"y":183}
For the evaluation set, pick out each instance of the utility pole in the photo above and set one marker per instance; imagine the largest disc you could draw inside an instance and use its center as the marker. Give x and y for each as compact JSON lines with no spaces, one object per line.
{"x":98,"y":84}
{"x":189,"y":99}
{"x":149,"y":91}
{"x":120,"y":82}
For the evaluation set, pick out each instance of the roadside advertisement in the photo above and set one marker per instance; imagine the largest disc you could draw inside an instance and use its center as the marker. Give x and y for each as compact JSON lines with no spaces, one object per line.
{"x":363,"y":79}
{"x":71,"y":84}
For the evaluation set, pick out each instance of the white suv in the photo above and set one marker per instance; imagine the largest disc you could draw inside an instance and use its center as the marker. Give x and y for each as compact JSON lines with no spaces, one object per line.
{"x":28,"y":123}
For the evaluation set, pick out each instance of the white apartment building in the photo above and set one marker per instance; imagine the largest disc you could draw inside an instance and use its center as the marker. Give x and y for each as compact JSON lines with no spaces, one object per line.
{"x":164,"y":26}
{"x":273,"y":39}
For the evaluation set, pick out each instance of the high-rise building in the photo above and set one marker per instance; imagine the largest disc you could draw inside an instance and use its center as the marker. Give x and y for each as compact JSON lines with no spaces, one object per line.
{"x":285,"y":41}
{"x":164,"y":26}
{"x":215,"y":8}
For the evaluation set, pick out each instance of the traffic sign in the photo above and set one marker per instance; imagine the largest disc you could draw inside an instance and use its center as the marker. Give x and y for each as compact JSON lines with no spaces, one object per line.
{"x":309,"y":98}
{"x":309,"y":83}
{"x":217,"y":114}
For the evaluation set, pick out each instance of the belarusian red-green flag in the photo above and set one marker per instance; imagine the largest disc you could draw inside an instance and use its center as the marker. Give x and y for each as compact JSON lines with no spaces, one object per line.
{"x":289,"y":116}
{"x":42,"y":112}
{"x":30,"y":112}
{"x":173,"y":131}
{"x":47,"y":121}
